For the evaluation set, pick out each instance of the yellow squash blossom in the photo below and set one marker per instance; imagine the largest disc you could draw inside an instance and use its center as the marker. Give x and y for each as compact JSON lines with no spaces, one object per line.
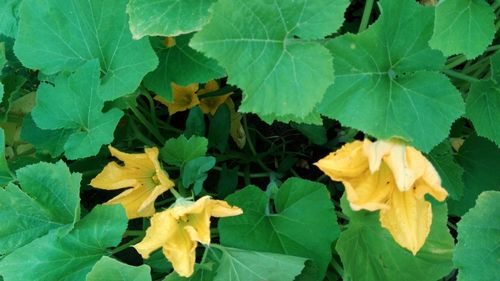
{"x":391,"y":177}
{"x":184,"y":98}
{"x":179,"y":229}
{"x":143,"y":173}
{"x":211,"y":104}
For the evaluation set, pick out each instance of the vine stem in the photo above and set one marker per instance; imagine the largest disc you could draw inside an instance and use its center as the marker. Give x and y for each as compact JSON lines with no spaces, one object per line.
{"x":220,"y":92}
{"x":153,"y":130}
{"x":126,"y":245}
{"x":458,"y":75}
{"x":366,"y":15}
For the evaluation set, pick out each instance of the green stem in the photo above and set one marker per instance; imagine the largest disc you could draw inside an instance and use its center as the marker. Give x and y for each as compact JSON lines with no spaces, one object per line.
{"x":138,"y":135}
{"x":175,"y":193}
{"x":240,"y":174}
{"x":126,"y":245}
{"x":366,"y":15}
{"x":220,"y":92}
{"x":458,"y":75}
{"x":337,"y":267}
{"x":252,"y":148}
{"x":134,"y":233}
{"x":153,"y":130}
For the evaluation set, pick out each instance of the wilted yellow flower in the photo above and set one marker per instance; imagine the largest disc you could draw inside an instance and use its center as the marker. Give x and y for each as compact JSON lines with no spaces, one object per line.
{"x":210,"y":105}
{"x":179,"y":229}
{"x":237,"y":132}
{"x":184,"y":98}
{"x":143,"y":173}
{"x":391,"y":177}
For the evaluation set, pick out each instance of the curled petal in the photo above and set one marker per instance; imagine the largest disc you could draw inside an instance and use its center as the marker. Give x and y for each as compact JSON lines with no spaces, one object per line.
{"x":163,"y":225}
{"x":113,"y":176}
{"x":430,"y":183}
{"x":220,"y":208}
{"x":375,"y":151}
{"x":398,"y":161}
{"x":370,"y":191}
{"x":136,"y":201}
{"x":408,"y":220}
{"x":180,"y":250}
{"x":347,"y":162}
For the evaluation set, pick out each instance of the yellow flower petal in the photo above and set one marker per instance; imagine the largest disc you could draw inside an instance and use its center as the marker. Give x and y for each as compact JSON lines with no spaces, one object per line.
{"x":163,"y":225}
{"x":430,"y":183}
{"x":404,"y":173}
{"x":184,"y":98}
{"x":375,"y":151}
{"x":370,"y":191}
{"x":143,"y":173}
{"x":347,"y":162}
{"x":179,"y":229}
{"x":211,"y":104}
{"x":408,"y":220}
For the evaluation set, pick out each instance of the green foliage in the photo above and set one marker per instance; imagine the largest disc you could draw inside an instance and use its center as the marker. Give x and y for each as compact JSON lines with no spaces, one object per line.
{"x":479,"y":158}
{"x":69,"y":257}
{"x":262,"y":43}
{"x":181,"y":150}
{"x":451,"y":173}
{"x":266,"y":266}
{"x":50,"y":141}
{"x":374,"y":247}
{"x":5,"y":173}
{"x":218,"y":130}
{"x":9,"y":12}
{"x":195,"y":172}
{"x":463,"y":27}
{"x":108,"y":269}
{"x":179,"y":64}
{"x":387,"y":81}
{"x":477,"y":252}
{"x":93,"y":31}
{"x":167,"y":17}
{"x":74,"y":103}
{"x":483,"y":103}
{"x":302,"y":211}
{"x":49,"y":200}
{"x":195,"y":123}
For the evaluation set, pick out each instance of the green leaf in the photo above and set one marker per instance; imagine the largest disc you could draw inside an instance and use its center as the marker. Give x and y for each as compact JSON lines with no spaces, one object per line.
{"x":200,"y":274}
{"x":316,"y":134}
{"x":387,"y":84}
{"x":479,"y":158}
{"x":50,"y":141}
{"x":68,"y":33}
{"x":158,"y":262}
{"x":3,"y":59}
{"x":49,"y":199}
{"x":368,"y":251}
{"x":9,"y":13}
{"x":167,"y":17}
{"x":268,"y":51}
{"x":450,"y":172}
{"x":108,"y":269}
{"x":243,"y":265}
{"x":74,"y":103}
{"x":69,"y":257}
{"x":483,"y":104}
{"x":180,"y":150}
{"x":463,"y":27}
{"x":181,"y":65}
{"x":312,"y":118}
{"x":5,"y":173}
{"x":218,"y":130}
{"x":195,"y":172}
{"x":228,"y":181}
{"x":195,"y":123}
{"x":477,"y":252}
{"x":304,"y":223}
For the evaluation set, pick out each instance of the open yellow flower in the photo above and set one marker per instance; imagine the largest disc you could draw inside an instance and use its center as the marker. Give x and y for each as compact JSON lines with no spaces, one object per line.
{"x":391,"y":177}
{"x":184,"y":98}
{"x":143,"y":173}
{"x":179,"y":229}
{"x":211,"y":104}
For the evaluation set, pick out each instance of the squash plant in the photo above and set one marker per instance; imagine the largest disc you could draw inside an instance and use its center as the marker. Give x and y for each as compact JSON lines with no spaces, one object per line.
{"x":249,"y":140}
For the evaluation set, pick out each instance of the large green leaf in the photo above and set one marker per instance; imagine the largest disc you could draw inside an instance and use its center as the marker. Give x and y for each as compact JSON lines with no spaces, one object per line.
{"x":5,"y":173}
{"x":480,"y":159}
{"x":74,"y":103}
{"x":483,"y":103}
{"x":49,"y":199}
{"x":369,"y":252}
{"x":108,"y":269}
{"x":57,"y":35}
{"x":9,"y":12}
{"x":303,"y":225}
{"x":71,"y":257}
{"x":450,"y":172}
{"x":49,"y":141}
{"x":242,"y":265}
{"x":463,"y":27}
{"x":167,"y":17}
{"x":268,"y":50}
{"x":477,"y":252}
{"x":387,"y":83}
{"x":180,"y":150}
{"x":181,"y":65}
